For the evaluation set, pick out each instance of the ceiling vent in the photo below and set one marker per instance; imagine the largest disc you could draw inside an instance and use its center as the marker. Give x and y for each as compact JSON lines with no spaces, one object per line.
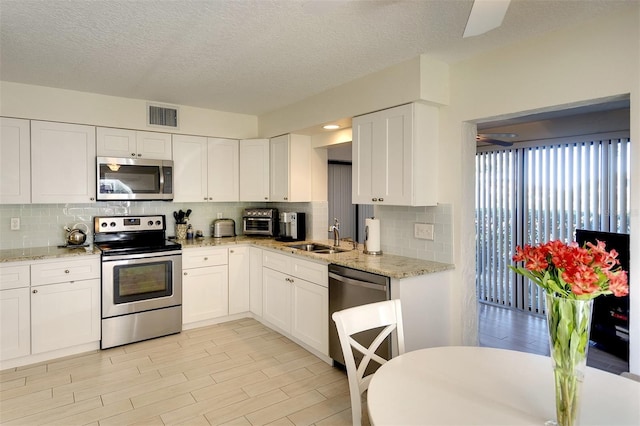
{"x":162,"y":115}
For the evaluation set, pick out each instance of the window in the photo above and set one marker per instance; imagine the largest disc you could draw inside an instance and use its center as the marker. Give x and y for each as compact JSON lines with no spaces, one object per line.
{"x":538,"y":193}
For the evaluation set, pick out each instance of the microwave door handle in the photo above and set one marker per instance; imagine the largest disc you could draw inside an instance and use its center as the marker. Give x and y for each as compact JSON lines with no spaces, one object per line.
{"x":161,"y":180}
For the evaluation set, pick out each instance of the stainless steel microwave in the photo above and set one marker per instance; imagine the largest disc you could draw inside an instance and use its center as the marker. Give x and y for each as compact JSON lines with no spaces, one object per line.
{"x":134,"y":179}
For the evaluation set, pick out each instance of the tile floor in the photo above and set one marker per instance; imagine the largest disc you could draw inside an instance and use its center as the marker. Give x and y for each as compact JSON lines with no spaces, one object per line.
{"x":512,"y":329}
{"x":239,"y":373}
{"x":236,"y":373}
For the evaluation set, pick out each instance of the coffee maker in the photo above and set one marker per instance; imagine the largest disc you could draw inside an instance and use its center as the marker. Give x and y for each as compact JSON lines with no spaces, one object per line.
{"x":292,"y":226}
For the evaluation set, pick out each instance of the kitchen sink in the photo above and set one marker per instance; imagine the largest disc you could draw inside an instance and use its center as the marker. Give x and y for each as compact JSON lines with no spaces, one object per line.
{"x":317,"y":248}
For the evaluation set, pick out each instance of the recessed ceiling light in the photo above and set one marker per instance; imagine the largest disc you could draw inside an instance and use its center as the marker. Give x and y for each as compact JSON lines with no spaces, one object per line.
{"x":331,"y":127}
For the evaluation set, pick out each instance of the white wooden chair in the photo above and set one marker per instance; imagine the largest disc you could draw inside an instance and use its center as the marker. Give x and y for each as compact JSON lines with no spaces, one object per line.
{"x":387,"y":314}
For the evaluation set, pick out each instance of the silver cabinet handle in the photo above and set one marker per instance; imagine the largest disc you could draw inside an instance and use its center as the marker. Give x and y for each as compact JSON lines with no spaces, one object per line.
{"x":34,"y":291}
{"x":185,"y":273}
{"x":380,"y":199}
{"x":66,"y":271}
{"x":206,"y":258}
{"x":374,"y":199}
{"x":133,"y":154}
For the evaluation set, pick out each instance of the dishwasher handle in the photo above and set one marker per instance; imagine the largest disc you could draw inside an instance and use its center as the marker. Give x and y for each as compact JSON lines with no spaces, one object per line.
{"x":351,"y":281}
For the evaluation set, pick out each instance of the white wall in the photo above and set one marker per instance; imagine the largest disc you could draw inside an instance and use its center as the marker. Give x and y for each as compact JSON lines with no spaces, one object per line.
{"x":567,"y":68}
{"x":45,"y":103}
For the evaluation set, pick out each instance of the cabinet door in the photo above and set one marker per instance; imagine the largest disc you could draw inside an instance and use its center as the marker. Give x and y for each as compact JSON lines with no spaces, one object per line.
{"x":362,"y":161}
{"x":15,"y":327}
{"x":279,"y":169}
{"x":153,"y":145}
{"x":239,"y":279}
{"x":65,"y":315}
{"x":276,"y":293}
{"x":392,"y":156}
{"x":311,"y":314}
{"x":190,"y":168}
{"x":290,"y":168}
{"x":204,"y":293}
{"x":224,"y":170}
{"x":119,"y":143}
{"x":254,"y":170}
{"x":15,"y":161}
{"x":63,"y":163}
{"x":255,"y":292}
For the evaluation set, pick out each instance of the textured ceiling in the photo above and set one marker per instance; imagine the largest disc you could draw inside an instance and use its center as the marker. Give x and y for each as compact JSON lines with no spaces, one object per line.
{"x":247,"y":56}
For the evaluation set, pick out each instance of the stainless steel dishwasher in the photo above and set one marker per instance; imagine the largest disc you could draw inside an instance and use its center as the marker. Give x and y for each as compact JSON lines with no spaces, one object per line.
{"x":348,"y":288}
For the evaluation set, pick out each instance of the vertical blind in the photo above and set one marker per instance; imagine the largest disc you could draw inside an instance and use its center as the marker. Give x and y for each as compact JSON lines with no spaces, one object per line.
{"x":536,"y":194}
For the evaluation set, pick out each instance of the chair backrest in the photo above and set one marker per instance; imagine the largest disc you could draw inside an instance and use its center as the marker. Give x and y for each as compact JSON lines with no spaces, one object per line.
{"x":387,"y":314}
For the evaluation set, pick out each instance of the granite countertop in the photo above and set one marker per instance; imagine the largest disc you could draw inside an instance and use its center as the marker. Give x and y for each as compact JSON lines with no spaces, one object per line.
{"x":40,"y":253}
{"x":386,"y":264}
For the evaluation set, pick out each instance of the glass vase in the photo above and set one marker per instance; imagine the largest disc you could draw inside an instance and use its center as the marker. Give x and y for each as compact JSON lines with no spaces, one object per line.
{"x":569,"y":323}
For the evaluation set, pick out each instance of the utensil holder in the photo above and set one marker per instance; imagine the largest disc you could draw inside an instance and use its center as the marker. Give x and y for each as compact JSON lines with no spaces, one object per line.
{"x":181,"y":231}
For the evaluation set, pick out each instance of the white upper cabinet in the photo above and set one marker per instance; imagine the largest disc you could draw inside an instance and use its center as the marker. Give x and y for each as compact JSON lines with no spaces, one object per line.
{"x":189,"y":168}
{"x":124,"y":143}
{"x":290,"y":168}
{"x":63,"y":163}
{"x":395,"y":156}
{"x":205,"y":169}
{"x":224,"y":169}
{"x":254,"y":170}
{"x":15,"y":161}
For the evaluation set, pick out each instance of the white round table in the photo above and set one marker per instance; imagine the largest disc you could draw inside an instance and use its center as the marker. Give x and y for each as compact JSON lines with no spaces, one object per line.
{"x":457,"y":385}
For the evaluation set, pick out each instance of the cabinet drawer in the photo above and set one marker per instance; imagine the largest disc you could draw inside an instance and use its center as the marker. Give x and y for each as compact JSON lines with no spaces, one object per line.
{"x":61,"y":271}
{"x":14,"y":276}
{"x":200,"y":258}
{"x":317,"y":273}
{"x":276,"y":261}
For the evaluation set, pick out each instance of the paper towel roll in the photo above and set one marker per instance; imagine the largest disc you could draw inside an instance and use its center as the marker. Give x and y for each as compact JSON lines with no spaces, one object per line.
{"x":372,"y":236}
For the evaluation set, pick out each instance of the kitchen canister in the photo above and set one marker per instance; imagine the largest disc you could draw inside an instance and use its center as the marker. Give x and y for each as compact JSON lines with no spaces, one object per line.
{"x":372,"y":236}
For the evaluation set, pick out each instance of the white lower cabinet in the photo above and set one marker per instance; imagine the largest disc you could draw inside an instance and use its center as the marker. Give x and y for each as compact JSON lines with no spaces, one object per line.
{"x":205,"y":284}
{"x":310,"y":314}
{"x":276,"y":296}
{"x":15,"y":323}
{"x":239,"y":279}
{"x":204,"y":293}
{"x":49,"y":305}
{"x":64,"y":315}
{"x":255,"y":279}
{"x":296,"y":298}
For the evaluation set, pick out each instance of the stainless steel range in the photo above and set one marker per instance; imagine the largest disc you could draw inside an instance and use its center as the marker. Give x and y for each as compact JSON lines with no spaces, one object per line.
{"x":141,"y":279}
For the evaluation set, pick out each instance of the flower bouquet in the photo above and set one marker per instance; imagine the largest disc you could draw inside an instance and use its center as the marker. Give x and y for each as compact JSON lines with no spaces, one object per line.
{"x":571,"y":276}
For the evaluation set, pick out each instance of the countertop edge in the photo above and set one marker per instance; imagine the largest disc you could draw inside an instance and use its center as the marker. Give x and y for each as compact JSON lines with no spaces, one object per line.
{"x":389,"y":265}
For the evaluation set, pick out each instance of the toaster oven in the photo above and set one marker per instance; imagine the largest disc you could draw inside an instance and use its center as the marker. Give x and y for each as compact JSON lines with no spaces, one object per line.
{"x":260,"y":221}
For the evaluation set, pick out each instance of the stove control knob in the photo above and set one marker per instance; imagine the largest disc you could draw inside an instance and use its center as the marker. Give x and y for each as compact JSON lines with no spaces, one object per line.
{"x":150,"y":223}
{"x":158,"y":223}
{"x":103,"y":225}
{"x":112,"y":224}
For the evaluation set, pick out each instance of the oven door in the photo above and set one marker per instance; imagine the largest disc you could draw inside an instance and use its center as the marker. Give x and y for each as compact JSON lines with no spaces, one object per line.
{"x":140,"y":282}
{"x":258,"y":226}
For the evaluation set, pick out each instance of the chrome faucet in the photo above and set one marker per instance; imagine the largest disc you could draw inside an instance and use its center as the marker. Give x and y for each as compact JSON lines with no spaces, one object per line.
{"x":335,"y":228}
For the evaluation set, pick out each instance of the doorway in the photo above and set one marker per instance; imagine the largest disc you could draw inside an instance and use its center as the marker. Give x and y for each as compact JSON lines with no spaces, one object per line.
{"x":351,"y":216}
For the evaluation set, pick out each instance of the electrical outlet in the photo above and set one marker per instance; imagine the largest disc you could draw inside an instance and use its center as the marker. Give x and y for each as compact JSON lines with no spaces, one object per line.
{"x":423,"y":231}
{"x":219,"y":215}
{"x":15,"y":223}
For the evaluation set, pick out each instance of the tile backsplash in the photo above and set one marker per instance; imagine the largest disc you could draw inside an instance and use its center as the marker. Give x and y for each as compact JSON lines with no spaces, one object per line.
{"x":42,"y":225}
{"x":397,"y":231}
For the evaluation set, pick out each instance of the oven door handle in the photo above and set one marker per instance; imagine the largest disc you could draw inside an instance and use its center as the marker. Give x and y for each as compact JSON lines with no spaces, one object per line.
{"x":156,"y":254}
